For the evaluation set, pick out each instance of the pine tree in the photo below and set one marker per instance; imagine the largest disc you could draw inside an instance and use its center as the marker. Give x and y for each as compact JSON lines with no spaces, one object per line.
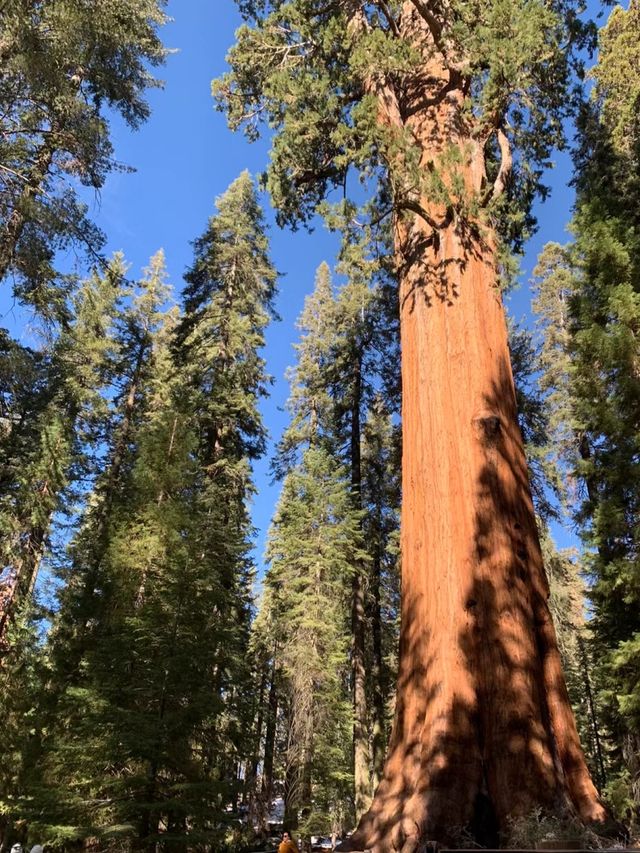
{"x":63,"y":65}
{"x":314,"y":542}
{"x":554,"y":286}
{"x":228,"y":302}
{"x":342,"y":359}
{"x":599,"y":383}
{"x":46,"y":447}
{"x":429,"y":104}
{"x":589,"y":304}
{"x":381,"y":502}
{"x":567,"y":602}
{"x":151,"y":731}
{"x":312,"y":380}
{"x":539,"y":422}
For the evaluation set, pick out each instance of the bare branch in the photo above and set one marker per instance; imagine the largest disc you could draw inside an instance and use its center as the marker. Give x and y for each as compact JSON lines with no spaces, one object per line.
{"x":506,"y":164}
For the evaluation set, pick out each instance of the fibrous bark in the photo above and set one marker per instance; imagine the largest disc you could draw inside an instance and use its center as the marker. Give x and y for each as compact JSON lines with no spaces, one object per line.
{"x":483,"y":729}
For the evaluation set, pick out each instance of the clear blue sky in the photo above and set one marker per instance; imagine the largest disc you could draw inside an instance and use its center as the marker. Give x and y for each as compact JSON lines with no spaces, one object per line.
{"x":185,"y":157}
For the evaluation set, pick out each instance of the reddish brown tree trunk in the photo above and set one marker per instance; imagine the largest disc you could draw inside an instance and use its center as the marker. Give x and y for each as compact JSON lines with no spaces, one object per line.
{"x":483,"y":730}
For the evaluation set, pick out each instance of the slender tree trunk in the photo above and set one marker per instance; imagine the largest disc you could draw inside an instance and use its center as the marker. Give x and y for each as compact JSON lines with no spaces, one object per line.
{"x":269,"y":745}
{"x":291,"y":786}
{"x":361,"y":757}
{"x":377,"y":674}
{"x":483,"y":729}
{"x":601,"y":774}
{"x":252,"y":773}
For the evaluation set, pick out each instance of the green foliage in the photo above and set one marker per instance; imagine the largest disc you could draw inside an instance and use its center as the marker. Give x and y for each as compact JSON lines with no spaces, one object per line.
{"x":313,"y":379}
{"x":63,"y":65}
{"x":50,"y":422}
{"x":342,"y":391}
{"x":320,"y":79}
{"x":534,"y":420}
{"x":314,"y":543}
{"x":590,"y":303}
{"x":617,"y":77}
{"x":144,"y":718}
{"x":228,"y":303}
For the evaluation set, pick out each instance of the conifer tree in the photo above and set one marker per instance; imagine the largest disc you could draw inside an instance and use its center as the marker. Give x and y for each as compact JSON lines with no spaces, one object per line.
{"x":131,"y":360}
{"x":312,"y":380}
{"x":595,"y":384}
{"x":449,"y":112}
{"x":314,"y":543}
{"x":45,"y":450}
{"x":228,"y":302}
{"x":63,"y":65}
{"x":342,"y":359}
{"x":381,"y":504}
{"x":152,"y":730}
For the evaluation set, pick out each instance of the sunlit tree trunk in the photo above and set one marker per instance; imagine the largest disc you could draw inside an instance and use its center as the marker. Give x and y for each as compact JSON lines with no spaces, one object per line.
{"x":483,"y":729}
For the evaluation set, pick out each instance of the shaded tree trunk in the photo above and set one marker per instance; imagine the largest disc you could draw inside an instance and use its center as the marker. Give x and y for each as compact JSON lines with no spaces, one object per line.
{"x":483,"y":730}
{"x":601,"y":774}
{"x":378,"y":681}
{"x":291,"y":785}
{"x":269,"y":742}
{"x":361,"y":757}
{"x":251,"y":792}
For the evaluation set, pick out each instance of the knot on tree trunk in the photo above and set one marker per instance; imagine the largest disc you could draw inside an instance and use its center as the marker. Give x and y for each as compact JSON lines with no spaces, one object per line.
{"x":487,"y":426}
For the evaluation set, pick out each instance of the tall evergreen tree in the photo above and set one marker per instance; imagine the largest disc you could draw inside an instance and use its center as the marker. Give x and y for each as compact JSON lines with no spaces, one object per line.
{"x":63,"y":65}
{"x":312,"y":380}
{"x":429,"y":103}
{"x":342,"y":360}
{"x":381,"y":503}
{"x":44,"y":452}
{"x":228,"y":302}
{"x":314,"y":543}
{"x":596,"y":380}
{"x":150,"y":731}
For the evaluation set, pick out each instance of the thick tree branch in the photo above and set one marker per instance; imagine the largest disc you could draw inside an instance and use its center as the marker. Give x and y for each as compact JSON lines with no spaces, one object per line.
{"x":415,"y":207}
{"x":388,"y":15}
{"x":506,"y":164}
{"x":435,"y":27}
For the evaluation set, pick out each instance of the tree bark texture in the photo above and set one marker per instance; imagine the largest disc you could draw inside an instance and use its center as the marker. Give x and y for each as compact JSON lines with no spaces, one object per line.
{"x":483,"y":729}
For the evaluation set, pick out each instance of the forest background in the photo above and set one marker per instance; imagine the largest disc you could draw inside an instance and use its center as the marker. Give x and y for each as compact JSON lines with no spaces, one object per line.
{"x":185,"y":156}
{"x":169,"y":704}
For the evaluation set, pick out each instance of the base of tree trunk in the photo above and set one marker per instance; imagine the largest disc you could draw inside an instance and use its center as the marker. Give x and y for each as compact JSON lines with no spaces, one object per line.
{"x":483,"y":733}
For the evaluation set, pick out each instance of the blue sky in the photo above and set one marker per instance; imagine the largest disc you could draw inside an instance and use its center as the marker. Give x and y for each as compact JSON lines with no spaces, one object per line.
{"x":185,"y":157}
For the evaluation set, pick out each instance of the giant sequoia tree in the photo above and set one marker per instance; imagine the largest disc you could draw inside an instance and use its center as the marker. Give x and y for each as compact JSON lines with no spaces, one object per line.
{"x":450,"y":109}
